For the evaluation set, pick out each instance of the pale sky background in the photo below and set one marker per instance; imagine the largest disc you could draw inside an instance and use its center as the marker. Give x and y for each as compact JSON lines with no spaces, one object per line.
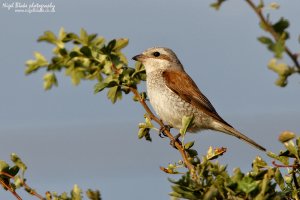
{"x":70,"y":136}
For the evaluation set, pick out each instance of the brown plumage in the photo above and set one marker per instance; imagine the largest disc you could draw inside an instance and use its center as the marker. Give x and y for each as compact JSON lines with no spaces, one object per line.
{"x":173,"y":94}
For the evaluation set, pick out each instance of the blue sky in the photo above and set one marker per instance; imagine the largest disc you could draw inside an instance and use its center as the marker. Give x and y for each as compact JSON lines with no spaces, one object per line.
{"x":69,"y":135}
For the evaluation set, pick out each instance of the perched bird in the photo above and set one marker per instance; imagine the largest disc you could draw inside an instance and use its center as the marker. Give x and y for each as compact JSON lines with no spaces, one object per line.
{"x":173,"y":94}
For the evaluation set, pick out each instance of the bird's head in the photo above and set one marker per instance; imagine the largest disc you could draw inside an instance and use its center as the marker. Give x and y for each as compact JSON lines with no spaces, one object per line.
{"x":159,"y":58}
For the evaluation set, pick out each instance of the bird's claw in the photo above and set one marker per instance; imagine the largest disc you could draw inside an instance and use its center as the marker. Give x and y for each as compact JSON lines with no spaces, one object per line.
{"x":174,"y":140}
{"x":163,"y":129}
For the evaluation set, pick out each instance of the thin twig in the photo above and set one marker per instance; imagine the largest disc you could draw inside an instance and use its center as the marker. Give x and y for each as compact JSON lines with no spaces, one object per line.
{"x":181,"y":150}
{"x":32,"y":191}
{"x":281,"y":166}
{"x":271,"y":30}
{"x":9,"y":188}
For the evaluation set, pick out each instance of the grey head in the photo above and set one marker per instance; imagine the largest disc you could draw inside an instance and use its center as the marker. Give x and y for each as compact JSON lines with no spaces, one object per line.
{"x":159,"y":58}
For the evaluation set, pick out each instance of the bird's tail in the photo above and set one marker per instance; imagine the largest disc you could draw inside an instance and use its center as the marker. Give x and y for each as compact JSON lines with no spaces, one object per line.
{"x":231,"y":131}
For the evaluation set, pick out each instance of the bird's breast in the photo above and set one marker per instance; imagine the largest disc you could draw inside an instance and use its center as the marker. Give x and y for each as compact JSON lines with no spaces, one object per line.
{"x":166,"y":103}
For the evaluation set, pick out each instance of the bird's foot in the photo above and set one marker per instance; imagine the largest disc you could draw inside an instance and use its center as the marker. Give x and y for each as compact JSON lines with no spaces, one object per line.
{"x":174,"y":140}
{"x":163,"y":129}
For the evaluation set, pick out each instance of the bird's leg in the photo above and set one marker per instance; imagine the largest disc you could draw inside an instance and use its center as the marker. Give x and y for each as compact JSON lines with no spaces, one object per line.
{"x":176,"y":139}
{"x":163,"y":129}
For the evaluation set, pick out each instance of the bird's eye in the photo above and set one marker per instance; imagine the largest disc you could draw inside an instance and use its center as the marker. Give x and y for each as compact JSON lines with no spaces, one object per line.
{"x":156,"y":54}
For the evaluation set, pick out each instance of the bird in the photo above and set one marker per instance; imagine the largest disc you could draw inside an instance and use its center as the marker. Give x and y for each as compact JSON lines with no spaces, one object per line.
{"x":173,"y":94}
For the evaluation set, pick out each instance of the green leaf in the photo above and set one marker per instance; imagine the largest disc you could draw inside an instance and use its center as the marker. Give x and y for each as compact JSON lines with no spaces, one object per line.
{"x":247,"y":185}
{"x":84,"y":37}
{"x":76,"y":193}
{"x":69,"y":37}
{"x":49,"y":81}
{"x":192,"y":152}
{"x":18,"y":181}
{"x":93,"y":195}
{"x":63,"y":52}
{"x":281,"y":25}
{"x":279,"y":179}
{"x":4,"y":167}
{"x":110,"y":46}
{"x":282,"y":159}
{"x":278,"y":48}
{"x":86,"y":51}
{"x":120,"y":44}
{"x":73,"y":54}
{"x":290,"y":145}
{"x":48,"y":36}
{"x":14,"y":170}
{"x":113,"y":94}
{"x":186,"y":123}
{"x":265,"y":40}
{"x":33,"y":65}
{"x":217,"y":4}
{"x":62,"y":33}
{"x":189,"y":145}
{"x":98,"y":42}
{"x":18,"y":162}
{"x":99,"y":87}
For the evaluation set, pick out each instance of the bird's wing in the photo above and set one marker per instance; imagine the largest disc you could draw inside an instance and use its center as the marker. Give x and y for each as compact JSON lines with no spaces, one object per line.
{"x":183,"y":85}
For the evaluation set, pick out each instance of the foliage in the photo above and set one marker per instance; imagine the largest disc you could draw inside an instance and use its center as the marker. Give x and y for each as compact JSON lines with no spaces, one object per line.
{"x":276,"y":42}
{"x":12,"y":178}
{"x":263,"y":181}
{"x":86,"y":56}
{"x":89,"y":59}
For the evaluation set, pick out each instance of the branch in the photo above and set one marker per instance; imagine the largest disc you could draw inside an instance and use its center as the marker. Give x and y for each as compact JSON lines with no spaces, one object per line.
{"x":10,"y":189}
{"x":181,"y":150}
{"x":271,"y":30}
{"x":27,"y":188}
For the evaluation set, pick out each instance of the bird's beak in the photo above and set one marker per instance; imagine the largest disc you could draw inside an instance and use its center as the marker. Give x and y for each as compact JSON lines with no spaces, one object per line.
{"x":139,"y":57}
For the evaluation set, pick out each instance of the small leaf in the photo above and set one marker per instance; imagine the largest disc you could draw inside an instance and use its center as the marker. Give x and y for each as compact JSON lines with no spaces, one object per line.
{"x":286,"y":136}
{"x":189,"y":145}
{"x":86,"y":51}
{"x":18,"y":162}
{"x":217,"y":4}
{"x":112,"y":94}
{"x":73,"y":54}
{"x":49,"y":81}
{"x":48,"y":36}
{"x":99,"y":87}
{"x":110,"y":46}
{"x":84,"y":38}
{"x":290,"y":145}
{"x":279,"y":179}
{"x":18,"y":181}
{"x":76,"y":193}
{"x":247,"y":185}
{"x":69,"y":37}
{"x":63,"y":52}
{"x":186,"y":123}
{"x":281,"y":25}
{"x":265,"y":40}
{"x":215,"y":153}
{"x":4,"y":167}
{"x":13,"y":170}
{"x":120,"y":44}
{"x":33,"y":65}
{"x":93,"y":195}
